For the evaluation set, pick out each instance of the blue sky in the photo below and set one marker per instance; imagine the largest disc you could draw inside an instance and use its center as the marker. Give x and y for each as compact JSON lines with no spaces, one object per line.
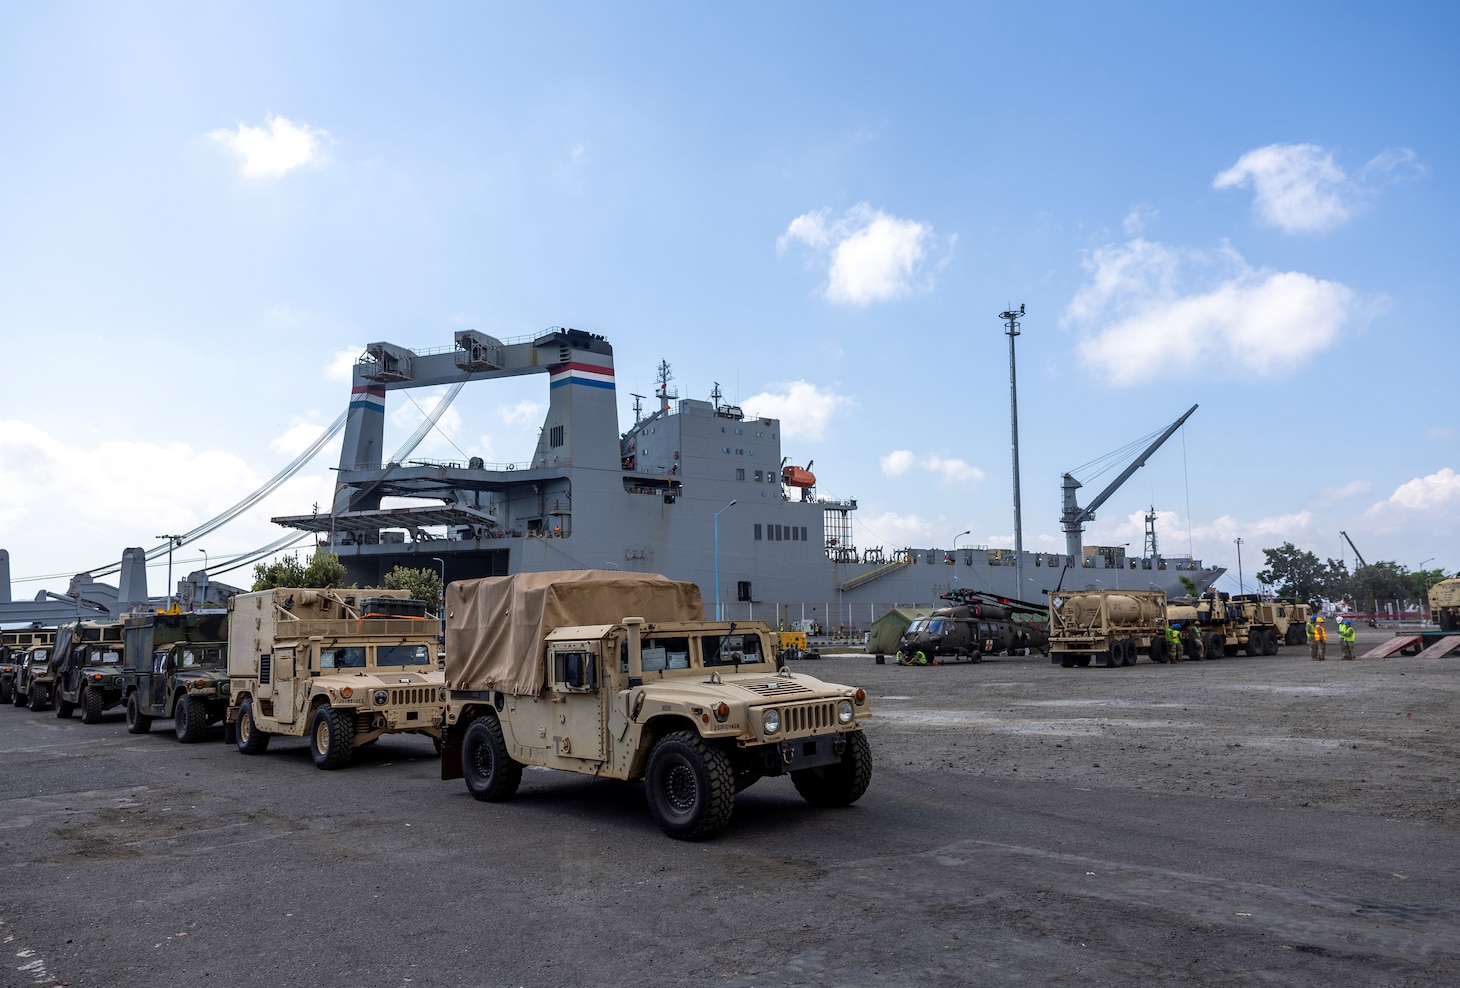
{"x":207,"y":210}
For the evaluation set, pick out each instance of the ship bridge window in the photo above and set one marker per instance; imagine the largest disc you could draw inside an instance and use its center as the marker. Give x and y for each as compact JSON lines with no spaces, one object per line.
{"x":740,"y":473}
{"x":757,"y":532}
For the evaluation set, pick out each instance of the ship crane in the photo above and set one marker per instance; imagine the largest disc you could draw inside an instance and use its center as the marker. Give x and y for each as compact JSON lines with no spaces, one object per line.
{"x":1073,"y":517}
{"x":1357,"y":555}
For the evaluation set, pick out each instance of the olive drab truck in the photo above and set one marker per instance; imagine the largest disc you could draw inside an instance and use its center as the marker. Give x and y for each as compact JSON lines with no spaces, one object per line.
{"x":176,"y":666}
{"x":1107,"y":627}
{"x":342,"y":668}
{"x":14,"y":645}
{"x":1444,"y":600}
{"x":32,"y":687}
{"x":616,"y":675}
{"x":86,"y":669}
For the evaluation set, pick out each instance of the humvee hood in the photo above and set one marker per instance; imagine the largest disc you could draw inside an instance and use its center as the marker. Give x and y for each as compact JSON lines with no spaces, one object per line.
{"x":746,"y":688}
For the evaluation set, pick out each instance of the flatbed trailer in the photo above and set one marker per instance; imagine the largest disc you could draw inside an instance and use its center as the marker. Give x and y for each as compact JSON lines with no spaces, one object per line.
{"x":1424,"y":644}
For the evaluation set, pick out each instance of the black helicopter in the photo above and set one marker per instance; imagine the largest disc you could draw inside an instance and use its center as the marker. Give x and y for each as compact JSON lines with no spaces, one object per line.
{"x":978,"y":624}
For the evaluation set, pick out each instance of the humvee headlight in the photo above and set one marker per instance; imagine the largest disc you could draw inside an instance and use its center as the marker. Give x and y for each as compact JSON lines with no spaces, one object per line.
{"x":771,"y":721}
{"x":722,"y":711}
{"x":347,"y":692}
{"x":381,"y":697}
{"x":844,"y":711}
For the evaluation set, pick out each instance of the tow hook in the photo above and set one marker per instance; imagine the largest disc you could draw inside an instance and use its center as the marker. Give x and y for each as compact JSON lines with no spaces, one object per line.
{"x":788,"y":752}
{"x":839,"y":743}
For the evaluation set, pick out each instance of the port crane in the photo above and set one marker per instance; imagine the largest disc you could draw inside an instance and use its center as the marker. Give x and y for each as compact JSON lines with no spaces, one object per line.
{"x":1357,"y":555}
{"x":1073,"y":517}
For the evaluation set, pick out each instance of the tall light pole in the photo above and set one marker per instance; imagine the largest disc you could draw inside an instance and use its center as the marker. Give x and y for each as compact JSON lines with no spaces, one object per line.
{"x":955,"y":555}
{"x":1012,"y":318}
{"x":205,"y":578}
{"x":441,"y":604}
{"x":173,"y":542}
{"x":1423,"y":603}
{"x":1240,"y":588}
{"x":719,"y":610}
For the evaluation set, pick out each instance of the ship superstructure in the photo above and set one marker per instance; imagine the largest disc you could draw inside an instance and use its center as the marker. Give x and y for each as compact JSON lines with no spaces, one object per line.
{"x":656,"y":498}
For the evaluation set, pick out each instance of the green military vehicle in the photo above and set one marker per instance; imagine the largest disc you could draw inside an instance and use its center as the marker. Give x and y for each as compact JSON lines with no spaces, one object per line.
{"x":32,"y":687}
{"x":176,"y":665}
{"x":87,"y":667}
{"x":615,"y":675}
{"x":14,"y":645}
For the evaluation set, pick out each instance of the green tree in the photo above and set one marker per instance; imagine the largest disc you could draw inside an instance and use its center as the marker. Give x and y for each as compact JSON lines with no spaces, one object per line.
{"x":1383,"y":582}
{"x":324,"y":570}
{"x":424,"y":584}
{"x":1298,"y":574}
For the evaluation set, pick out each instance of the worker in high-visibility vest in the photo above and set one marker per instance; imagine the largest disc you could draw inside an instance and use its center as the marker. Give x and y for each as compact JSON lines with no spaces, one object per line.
{"x":1346,"y":637}
{"x":1317,"y":639}
{"x":1173,"y":642}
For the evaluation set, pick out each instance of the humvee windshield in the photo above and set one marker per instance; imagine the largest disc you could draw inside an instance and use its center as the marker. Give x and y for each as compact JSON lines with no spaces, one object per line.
{"x":726,"y":650}
{"x":194,"y":659}
{"x":95,"y":658}
{"x":665,"y":653}
{"x":402,"y":655}
{"x":349,"y":657}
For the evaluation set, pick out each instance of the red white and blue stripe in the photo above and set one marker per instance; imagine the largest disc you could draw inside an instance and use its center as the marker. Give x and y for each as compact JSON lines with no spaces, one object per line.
{"x":588,"y":375}
{"x":367,"y":398}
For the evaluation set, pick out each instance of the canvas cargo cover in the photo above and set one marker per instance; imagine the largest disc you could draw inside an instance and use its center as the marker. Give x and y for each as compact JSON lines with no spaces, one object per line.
{"x":495,"y":626}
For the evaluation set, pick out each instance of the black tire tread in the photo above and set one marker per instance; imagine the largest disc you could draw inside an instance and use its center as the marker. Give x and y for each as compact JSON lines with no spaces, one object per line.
{"x":503,"y":777}
{"x":93,"y":701}
{"x":838,"y":785}
{"x":251,"y":739}
{"x":341,"y":738}
{"x":719,"y":797}
{"x":137,"y":721}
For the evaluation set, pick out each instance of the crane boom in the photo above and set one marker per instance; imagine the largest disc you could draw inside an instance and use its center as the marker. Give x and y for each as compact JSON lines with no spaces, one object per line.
{"x":1073,"y":517}
{"x":1357,"y":555}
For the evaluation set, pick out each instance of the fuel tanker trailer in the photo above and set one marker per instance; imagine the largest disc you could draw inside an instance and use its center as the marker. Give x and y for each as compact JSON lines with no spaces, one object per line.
{"x":1107,"y":627}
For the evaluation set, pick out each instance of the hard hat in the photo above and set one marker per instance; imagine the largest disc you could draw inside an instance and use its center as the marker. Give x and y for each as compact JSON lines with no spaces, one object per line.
{"x":1320,"y":619}
{"x":1176,"y":625}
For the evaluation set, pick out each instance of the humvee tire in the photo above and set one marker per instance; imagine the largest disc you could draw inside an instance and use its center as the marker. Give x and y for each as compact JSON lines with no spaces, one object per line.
{"x":63,"y":709}
{"x":331,"y":738}
{"x":842,"y":784}
{"x":6,"y":692}
{"x":17,"y":698}
{"x":137,"y":722}
{"x":490,"y":773}
{"x":251,"y":740}
{"x":690,"y":786}
{"x":91,"y":704}
{"x":37,"y":700}
{"x":189,"y":720}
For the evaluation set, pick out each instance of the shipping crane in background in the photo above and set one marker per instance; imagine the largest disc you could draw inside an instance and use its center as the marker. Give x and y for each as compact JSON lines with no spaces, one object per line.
{"x":1357,"y":555}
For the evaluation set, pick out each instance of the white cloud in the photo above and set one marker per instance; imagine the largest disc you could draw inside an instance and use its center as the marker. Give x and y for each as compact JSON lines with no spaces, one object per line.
{"x":894,"y":531}
{"x":1441,"y":434}
{"x":900,"y":461}
{"x":342,"y":365}
{"x":804,"y":409}
{"x":871,"y":256}
{"x":897,"y":463}
{"x":1149,"y":311}
{"x":523,"y":413}
{"x":1297,"y":187}
{"x":1434,"y":492}
{"x":1332,"y":495}
{"x":297,"y":438}
{"x":1135,"y":221}
{"x":275,"y":149}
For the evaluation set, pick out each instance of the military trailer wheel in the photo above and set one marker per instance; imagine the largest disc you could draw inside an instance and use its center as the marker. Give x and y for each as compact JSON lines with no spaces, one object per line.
{"x":37,"y":700}
{"x":92,"y":702}
{"x":64,"y":709}
{"x":189,"y":720}
{"x":490,"y":773}
{"x":331,"y":738}
{"x":251,"y":740}
{"x":690,"y":786}
{"x":137,"y":721}
{"x":841,"y":784}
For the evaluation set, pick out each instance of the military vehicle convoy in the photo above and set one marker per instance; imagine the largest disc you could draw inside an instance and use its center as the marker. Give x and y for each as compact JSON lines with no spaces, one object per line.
{"x":339,"y":667}
{"x":175,"y":665}
{"x":86,"y":666}
{"x":1445,"y":604}
{"x":615,"y":675}
{"x":14,"y":645}
{"x":978,"y":624}
{"x":1115,"y":627}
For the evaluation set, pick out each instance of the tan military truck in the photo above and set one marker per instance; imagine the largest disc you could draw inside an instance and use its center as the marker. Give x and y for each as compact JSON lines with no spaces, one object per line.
{"x":616,"y":675}
{"x":341,"y":667}
{"x":1107,"y":627}
{"x":14,"y":644}
{"x":1445,"y":604}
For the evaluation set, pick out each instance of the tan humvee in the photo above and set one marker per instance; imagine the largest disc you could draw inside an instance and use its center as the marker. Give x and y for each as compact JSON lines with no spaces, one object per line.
{"x":343,"y":667}
{"x":614,"y":675}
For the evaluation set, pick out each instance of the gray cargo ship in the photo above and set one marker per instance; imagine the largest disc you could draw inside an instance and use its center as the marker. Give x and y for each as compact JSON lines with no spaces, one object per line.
{"x":656,"y":498}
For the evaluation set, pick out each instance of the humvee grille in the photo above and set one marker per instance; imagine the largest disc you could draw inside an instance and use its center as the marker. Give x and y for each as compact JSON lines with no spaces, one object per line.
{"x":777,"y":687}
{"x":808,"y":717}
{"x":413,"y":696}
